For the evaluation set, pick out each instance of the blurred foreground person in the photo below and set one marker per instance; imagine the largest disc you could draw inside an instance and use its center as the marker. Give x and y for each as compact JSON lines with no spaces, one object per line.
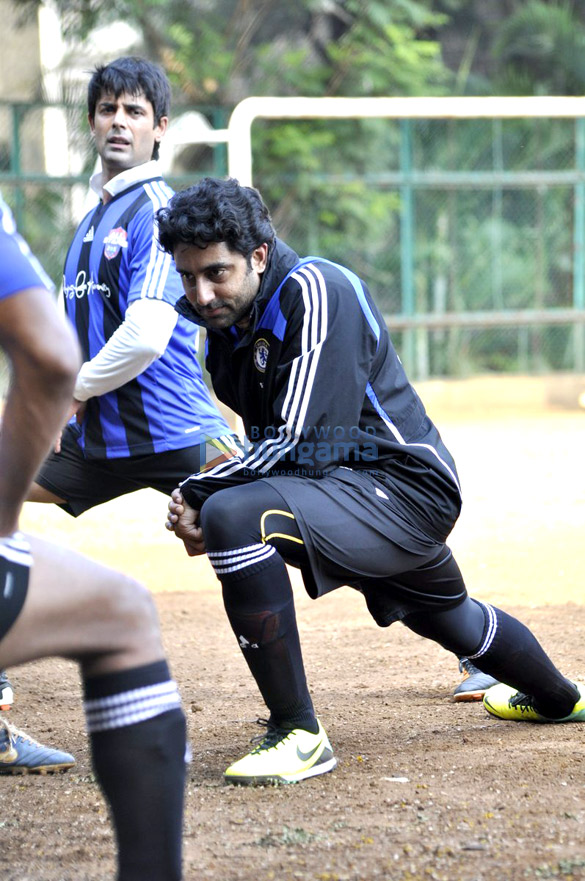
{"x":54,"y":602}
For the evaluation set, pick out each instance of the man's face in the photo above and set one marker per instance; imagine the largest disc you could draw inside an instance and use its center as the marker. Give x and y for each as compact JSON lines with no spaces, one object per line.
{"x":124,"y":131}
{"x":218,"y":282}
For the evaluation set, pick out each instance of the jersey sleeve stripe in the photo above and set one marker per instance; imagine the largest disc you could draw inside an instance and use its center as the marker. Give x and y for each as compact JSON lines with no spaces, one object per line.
{"x":301,"y":380}
{"x":6,"y":218}
{"x":160,"y":262}
{"x":315,"y":300}
{"x":313,"y":333}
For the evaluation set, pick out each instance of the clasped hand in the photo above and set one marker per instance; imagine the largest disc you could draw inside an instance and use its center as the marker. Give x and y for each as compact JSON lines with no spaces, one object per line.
{"x":183,"y":520}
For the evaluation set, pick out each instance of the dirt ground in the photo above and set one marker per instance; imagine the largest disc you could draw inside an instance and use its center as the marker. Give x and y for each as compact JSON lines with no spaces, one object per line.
{"x":425,"y":788}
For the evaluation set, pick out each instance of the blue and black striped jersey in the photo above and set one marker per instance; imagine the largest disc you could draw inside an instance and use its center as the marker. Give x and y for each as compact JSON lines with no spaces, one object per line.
{"x":115,"y":259}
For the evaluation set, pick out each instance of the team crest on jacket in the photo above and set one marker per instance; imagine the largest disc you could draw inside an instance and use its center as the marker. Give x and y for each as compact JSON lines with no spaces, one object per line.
{"x":261,"y":349}
{"x":116,"y":238}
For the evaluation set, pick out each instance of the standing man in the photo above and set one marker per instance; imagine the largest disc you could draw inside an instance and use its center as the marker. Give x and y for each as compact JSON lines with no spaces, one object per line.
{"x":143,"y":416}
{"x":143,"y":412}
{"x":346,"y":477}
{"x":54,"y":602}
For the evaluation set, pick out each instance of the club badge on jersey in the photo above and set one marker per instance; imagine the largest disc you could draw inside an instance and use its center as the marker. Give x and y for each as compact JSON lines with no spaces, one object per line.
{"x":261,"y":349}
{"x":114,"y":241}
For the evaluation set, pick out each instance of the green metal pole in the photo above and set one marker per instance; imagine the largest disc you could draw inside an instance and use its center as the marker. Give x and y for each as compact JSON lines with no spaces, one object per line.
{"x":497,"y":201}
{"x":407,"y":240}
{"x":15,"y":166}
{"x":220,"y":165}
{"x":579,"y":245}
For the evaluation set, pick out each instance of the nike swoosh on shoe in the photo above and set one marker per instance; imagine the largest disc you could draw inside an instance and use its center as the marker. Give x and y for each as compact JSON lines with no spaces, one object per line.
{"x":304,"y":757}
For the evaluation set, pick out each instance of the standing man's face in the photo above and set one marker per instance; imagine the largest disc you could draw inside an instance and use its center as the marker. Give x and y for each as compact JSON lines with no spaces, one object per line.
{"x":125,"y":132}
{"x":219,"y":283}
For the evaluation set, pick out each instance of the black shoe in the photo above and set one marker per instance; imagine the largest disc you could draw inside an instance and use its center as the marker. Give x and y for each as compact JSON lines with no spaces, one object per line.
{"x":474,"y":684}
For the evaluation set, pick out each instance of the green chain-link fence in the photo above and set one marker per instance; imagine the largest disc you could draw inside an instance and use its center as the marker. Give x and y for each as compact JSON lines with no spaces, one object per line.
{"x":46,"y":159}
{"x":475,"y":241}
{"x":469,"y":233}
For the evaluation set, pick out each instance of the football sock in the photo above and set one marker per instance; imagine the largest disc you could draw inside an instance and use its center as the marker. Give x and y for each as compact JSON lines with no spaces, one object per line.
{"x":261,"y":611}
{"x":138,"y":741}
{"x":503,"y":647}
{"x":258,"y":596}
{"x":459,"y":630}
{"x":512,"y":654}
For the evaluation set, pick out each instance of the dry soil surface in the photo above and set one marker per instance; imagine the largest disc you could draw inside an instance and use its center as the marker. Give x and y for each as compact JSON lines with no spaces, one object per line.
{"x":425,"y":788}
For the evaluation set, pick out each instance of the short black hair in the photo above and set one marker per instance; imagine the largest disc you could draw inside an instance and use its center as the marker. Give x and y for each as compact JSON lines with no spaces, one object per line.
{"x":216,"y":210}
{"x":135,"y":76}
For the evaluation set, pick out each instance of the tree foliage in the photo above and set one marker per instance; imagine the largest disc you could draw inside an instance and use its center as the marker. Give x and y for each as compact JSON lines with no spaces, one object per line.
{"x":220,"y":51}
{"x":541,"y":49}
{"x":326,"y":183}
{"x":223,"y":50}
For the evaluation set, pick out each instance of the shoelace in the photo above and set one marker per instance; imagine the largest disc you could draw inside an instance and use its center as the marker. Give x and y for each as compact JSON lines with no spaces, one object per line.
{"x":271,"y":737}
{"x":467,"y":668}
{"x":14,"y":733}
{"x":521,"y":701}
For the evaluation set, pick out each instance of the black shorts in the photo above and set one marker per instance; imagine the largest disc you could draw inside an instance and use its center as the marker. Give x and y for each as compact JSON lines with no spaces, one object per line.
{"x":15,"y":563}
{"x":358,"y":532}
{"x":85,"y":483}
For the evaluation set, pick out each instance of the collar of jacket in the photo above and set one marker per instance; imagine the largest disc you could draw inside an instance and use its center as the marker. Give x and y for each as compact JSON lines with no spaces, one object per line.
{"x":281,"y":260}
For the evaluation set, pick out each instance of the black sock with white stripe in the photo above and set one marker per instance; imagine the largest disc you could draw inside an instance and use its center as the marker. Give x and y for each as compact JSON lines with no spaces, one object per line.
{"x":259,"y":602}
{"x":137,"y":733}
{"x":512,"y":654}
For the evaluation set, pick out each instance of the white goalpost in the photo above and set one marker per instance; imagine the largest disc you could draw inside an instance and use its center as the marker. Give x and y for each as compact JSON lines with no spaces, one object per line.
{"x":239,"y":130}
{"x":238,"y":137}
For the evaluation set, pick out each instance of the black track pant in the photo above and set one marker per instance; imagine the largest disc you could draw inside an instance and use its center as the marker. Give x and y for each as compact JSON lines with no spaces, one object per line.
{"x":250,"y":534}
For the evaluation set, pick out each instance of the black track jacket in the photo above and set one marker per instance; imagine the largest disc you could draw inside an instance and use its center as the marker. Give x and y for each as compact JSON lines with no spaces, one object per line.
{"x":318,"y":384}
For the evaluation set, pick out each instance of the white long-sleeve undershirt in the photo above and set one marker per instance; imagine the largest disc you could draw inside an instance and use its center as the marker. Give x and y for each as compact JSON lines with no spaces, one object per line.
{"x":141,"y":339}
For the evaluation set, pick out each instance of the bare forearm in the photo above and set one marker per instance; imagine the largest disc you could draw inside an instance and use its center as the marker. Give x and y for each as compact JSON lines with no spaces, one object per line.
{"x":30,"y":424}
{"x":43,"y":375}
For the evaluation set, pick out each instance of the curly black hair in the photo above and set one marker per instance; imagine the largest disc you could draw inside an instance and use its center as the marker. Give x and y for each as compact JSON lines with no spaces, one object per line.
{"x":216,"y":210}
